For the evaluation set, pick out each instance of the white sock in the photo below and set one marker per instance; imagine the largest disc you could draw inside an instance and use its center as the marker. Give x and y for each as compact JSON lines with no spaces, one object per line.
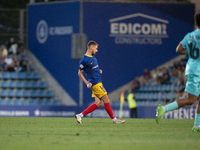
{"x":81,"y":115}
{"x":197,"y":126}
{"x":164,"y":109}
{"x":114,"y":119}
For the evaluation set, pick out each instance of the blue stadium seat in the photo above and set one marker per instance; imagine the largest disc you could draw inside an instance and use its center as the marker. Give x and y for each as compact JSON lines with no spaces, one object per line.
{"x":12,"y":84}
{"x":40,"y":102}
{"x":13,"y":75}
{"x":18,"y":102}
{"x":163,"y":87}
{"x":154,"y":88}
{"x":20,"y":84}
{"x":33,"y":102}
{"x":10,"y":102}
{"x":150,"y":96}
{"x":142,"y":96}
{"x":19,"y":93}
{"x":42,"y":85}
{"x":155,"y":96}
{"x":168,"y":88}
{"x":2,"y":102}
{"x":11,"y":93}
{"x":28,"y":76}
{"x":5,"y":84}
{"x":164,"y":96}
{"x":35,"y":84}
{"x":159,"y":87}
{"x":34,"y":94}
{"x":136,"y":95}
{"x":25,"y":102}
{"x":26,"y":93}
{"x":155,"y":103}
{"x":4,"y":93}
{"x":6,"y":75}
{"x":48,"y":102}
{"x":27,"y":85}
{"x":49,"y":94}
{"x":21,"y":76}
{"x":1,"y":75}
{"x":42,"y":94}
{"x":142,"y":87}
{"x":55,"y":102}
{"x":36,"y":76}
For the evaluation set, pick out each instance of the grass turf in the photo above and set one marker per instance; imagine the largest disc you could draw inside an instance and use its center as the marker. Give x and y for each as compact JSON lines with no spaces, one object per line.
{"x":96,"y":133}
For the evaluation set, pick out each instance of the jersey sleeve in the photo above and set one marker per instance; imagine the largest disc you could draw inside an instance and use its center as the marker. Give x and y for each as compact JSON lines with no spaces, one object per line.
{"x":83,"y":64}
{"x":184,"y":42}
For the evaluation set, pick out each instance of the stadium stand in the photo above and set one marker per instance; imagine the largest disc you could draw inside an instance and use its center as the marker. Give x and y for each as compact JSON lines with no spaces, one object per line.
{"x":25,"y":88}
{"x":150,"y":94}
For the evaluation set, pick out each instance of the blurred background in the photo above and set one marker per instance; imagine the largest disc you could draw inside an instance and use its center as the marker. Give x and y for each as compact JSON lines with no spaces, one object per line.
{"x":42,"y":42}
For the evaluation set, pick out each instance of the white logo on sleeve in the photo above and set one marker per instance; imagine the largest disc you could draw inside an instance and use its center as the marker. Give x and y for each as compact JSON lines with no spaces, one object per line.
{"x":81,"y":66}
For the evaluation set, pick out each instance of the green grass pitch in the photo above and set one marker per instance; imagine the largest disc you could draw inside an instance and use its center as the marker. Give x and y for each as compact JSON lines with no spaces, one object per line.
{"x":20,"y":133}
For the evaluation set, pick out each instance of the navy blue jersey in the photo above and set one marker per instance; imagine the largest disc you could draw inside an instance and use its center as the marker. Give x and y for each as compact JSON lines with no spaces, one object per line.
{"x":90,"y":65}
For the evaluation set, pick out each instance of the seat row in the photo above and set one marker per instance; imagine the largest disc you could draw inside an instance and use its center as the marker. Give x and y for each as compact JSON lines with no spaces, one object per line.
{"x":20,"y":76}
{"x":23,"y":84}
{"x":158,"y":88}
{"x":29,"y":102}
{"x":26,"y":93}
{"x":155,"y":96}
{"x":139,"y":103}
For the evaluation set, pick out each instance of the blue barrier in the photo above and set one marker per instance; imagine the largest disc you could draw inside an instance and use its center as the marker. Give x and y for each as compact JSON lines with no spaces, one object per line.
{"x":65,"y":111}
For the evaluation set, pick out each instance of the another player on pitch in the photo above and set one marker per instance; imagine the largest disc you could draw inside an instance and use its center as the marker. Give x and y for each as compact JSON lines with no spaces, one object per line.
{"x":190,"y":45}
{"x":90,"y":65}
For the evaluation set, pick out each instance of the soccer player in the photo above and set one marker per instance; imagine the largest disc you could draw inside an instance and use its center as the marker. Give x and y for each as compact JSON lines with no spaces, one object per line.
{"x":190,"y":45}
{"x":90,"y":65}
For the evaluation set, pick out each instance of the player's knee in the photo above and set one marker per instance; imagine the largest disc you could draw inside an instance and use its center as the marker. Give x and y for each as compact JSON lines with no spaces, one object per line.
{"x":191,"y":101}
{"x":98,"y":104}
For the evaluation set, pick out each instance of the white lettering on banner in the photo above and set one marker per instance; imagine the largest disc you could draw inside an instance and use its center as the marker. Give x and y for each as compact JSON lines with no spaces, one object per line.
{"x":138,"y":33}
{"x":182,"y":113}
{"x":43,"y":31}
{"x":14,"y":113}
{"x":54,"y":113}
{"x":61,"y":30}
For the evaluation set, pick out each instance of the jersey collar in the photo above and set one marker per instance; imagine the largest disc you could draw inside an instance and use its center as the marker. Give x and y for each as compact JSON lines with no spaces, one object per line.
{"x":88,"y":55}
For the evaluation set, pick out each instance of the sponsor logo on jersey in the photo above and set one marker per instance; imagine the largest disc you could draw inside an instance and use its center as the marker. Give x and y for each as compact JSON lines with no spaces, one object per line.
{"x":95,"y":67}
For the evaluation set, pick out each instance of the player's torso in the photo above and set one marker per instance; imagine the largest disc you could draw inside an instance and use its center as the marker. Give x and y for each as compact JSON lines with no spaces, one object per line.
{"x":193,"y":49}
{"x":92,"y":70}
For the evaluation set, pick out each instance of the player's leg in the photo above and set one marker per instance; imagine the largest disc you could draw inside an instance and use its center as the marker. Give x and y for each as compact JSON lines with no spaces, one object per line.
{"x":90,"y":109}
{"x":196,"y":127}
{"x":192,"y":88}
{"x":108,"y":108}
{"x":160,"y":112}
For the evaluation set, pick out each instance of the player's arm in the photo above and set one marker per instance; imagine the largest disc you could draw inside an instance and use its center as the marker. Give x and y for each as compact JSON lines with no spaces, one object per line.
{"x":180,"y":50}
{"x":80,"y":74}
{"x":100,"y":71}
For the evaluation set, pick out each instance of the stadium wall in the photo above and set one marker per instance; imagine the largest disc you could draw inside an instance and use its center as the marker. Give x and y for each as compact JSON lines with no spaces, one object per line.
{"x":63,"y":111}
{"x":131,"y":37}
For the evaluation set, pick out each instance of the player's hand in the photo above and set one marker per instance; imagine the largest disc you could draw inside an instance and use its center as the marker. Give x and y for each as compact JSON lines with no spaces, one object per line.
{"x":100,"y":71}
{"x":89,"y":85}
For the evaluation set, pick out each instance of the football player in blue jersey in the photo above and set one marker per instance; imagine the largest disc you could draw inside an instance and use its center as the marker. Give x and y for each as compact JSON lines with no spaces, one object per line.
{"x":90,"y":65}
{"x":190,"y":45}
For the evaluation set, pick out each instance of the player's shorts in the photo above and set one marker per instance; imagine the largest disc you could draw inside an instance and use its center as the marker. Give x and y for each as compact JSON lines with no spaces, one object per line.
{"x":98,"y":90}
{"x":193,"y":84}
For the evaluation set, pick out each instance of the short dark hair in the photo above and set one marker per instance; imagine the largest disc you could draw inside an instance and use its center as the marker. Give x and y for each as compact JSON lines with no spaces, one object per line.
{"x":197,"y":19}
{"x":91,"y":43}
